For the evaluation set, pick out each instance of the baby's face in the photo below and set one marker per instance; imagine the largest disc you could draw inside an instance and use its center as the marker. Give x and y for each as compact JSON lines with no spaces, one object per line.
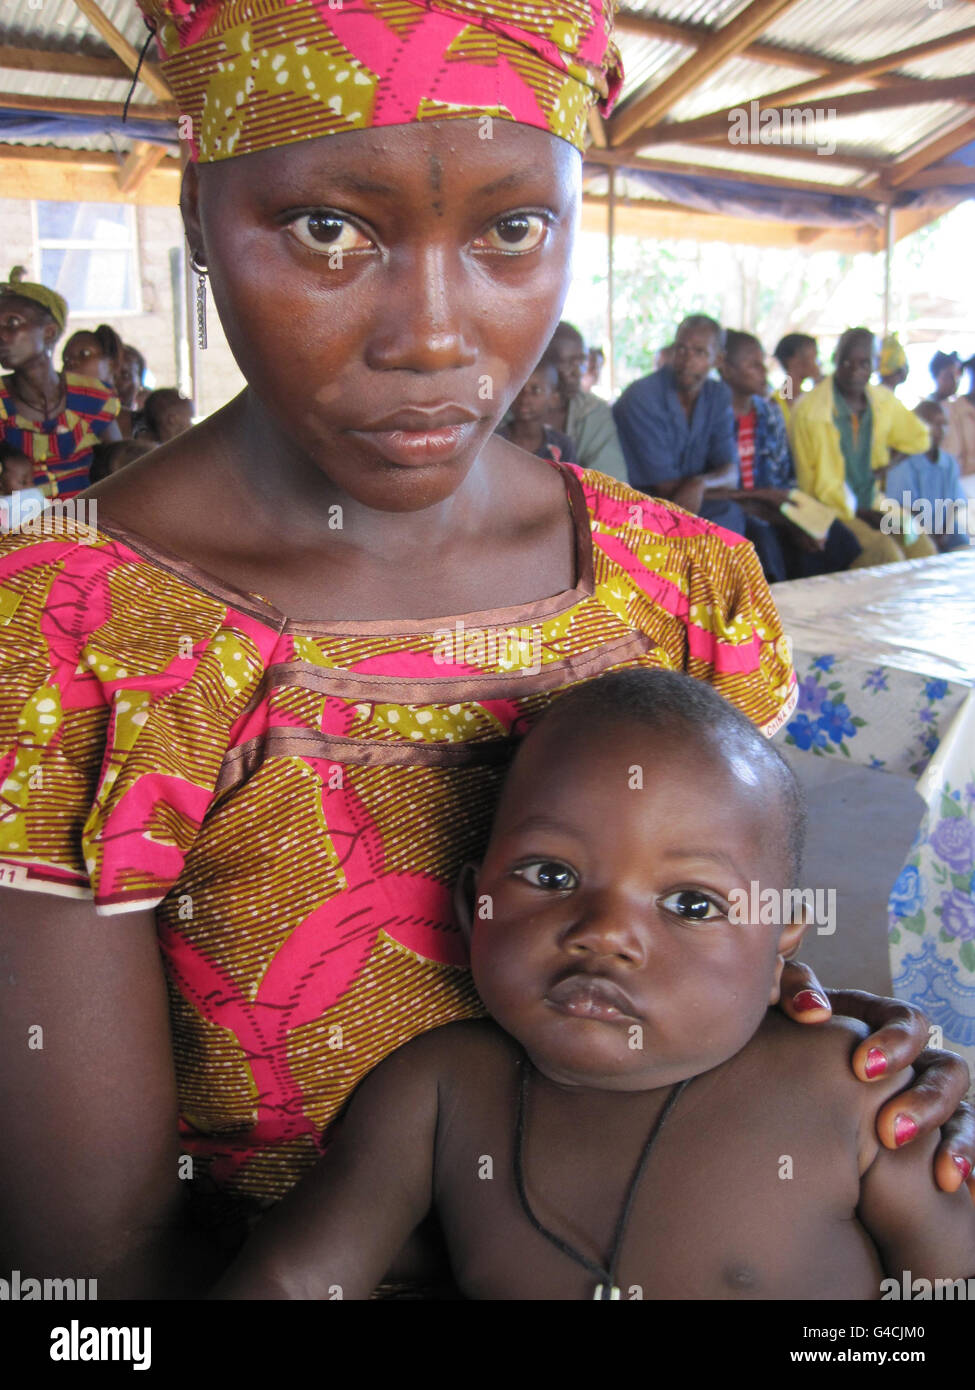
{"x":608,"y":952}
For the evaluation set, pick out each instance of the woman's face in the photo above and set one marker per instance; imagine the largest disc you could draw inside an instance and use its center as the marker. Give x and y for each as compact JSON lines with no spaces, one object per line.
{"x":26,"y":331}
{"x":387,"y":292}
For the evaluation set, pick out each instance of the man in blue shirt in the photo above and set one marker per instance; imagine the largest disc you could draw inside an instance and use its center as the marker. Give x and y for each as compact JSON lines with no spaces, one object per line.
{"x":677,"y":428}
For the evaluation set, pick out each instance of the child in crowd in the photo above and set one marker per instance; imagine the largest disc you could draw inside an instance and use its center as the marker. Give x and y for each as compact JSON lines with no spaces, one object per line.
{"x":927,"y":486}
{"x":112,"y":458}
{"x":636,"y":1122}
{"x":166,"y":413}
{"x":526,"y":426}
{"x":17,"y":476}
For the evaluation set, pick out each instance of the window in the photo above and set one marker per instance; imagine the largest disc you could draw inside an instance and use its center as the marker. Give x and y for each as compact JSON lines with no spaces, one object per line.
{"x":87,"y":252}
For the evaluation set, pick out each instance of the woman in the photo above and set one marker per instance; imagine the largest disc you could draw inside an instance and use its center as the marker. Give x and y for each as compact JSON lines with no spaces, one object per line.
{"x":55,"y":419}
{"x":270,"y":754}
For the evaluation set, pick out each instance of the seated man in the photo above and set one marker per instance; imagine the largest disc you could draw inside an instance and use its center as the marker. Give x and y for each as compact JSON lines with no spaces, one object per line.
{"x":928,"y":486}
{"x":842,"y":433}
{"x":798,"y":356}
{"x":768,"y":475}
{"x":677,"y":429}
{"x":584,"y":417}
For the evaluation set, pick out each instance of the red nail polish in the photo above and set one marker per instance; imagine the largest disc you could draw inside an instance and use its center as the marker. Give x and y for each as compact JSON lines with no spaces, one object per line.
{"x":963,"y":1166}
{"x":876,"y":1063}
{"x":904,"y":1130}
{"x":808,"y":999}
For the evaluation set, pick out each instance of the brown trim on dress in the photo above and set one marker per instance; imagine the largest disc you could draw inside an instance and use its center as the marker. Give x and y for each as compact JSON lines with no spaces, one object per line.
{"x":265,"y":612}
{"x":251,"y":605}
{"x":511,"y":685}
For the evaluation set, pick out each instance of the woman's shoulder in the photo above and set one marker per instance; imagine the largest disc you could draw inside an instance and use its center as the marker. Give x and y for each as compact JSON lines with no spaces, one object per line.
{"x":635,"y":517}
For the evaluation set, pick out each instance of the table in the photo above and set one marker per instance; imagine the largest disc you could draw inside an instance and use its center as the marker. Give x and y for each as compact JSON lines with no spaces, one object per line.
{"x":886,"y":664}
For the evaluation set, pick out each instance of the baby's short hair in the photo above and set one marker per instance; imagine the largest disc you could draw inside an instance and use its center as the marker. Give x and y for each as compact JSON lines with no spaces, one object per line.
{"x":670,"y":699}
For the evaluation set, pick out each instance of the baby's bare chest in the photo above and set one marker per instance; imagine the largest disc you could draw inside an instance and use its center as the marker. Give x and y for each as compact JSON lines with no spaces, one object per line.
{"x":738,"y":1199}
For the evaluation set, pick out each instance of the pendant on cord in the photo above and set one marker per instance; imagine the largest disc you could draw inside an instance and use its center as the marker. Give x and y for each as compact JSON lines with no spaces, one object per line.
{"x":604,"y":1292}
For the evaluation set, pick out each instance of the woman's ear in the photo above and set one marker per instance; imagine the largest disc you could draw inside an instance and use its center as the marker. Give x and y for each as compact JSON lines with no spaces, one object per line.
{"x":464,"y":893}
{"x":189,"y":206}
{"x":789,"y":942}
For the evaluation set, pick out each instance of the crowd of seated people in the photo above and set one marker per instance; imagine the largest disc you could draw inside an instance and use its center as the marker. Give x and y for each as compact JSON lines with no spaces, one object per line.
{"x":61,"y":430}
{"x":828,"y":472}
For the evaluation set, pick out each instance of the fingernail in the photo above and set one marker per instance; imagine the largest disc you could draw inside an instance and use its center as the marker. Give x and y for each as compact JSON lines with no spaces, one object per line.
{"x":876,"y":1063}
{"x":963,"y":1166}
{"x":904,"y":1130}
{"x":808,"y":999}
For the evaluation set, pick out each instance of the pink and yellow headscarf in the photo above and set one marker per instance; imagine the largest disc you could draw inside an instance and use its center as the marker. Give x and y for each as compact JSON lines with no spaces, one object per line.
{"x":255,"y":74}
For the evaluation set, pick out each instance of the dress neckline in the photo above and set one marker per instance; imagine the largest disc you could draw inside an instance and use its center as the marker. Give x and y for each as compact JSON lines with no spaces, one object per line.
{"x":262,"y":609}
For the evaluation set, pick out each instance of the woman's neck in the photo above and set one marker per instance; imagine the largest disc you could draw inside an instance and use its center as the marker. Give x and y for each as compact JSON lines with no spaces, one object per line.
{"x":37,"y":385}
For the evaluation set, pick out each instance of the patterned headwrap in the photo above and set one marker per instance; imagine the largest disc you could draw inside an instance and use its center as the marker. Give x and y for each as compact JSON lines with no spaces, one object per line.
{"x":893,"y":358}
{"x":55,"y":304}
{"x":255,"y":74}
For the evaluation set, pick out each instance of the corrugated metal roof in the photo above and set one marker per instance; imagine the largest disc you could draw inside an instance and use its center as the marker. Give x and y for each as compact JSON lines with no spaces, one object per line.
{"x":738,"y":159}
{"x":57,"y":21}
{"x":867,"y":28}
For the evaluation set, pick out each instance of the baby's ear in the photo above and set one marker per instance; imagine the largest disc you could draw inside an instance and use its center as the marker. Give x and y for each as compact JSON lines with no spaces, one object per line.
{"x":790,"y":940}
{"x":464,"y":892}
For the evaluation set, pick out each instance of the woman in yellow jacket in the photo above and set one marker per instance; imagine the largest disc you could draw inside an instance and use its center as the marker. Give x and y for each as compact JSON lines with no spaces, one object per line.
{"x":842,"y":433}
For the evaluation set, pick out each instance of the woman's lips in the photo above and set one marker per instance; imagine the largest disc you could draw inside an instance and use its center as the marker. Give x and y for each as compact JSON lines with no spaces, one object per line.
{"x":591,"y":996}
{"x":416,"y":447}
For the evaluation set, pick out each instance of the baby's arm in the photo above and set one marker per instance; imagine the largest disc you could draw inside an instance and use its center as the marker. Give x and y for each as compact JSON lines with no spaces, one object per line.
{"x":915,"y":1226}
{"x":338,"y":1232}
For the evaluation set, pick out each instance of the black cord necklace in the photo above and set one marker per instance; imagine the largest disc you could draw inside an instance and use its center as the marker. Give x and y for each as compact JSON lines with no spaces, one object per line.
{"x":607,"y":1288}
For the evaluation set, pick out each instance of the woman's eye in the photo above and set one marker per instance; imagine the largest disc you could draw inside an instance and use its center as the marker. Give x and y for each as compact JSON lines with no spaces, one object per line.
{"x":326,"y":232}
{"x":550,"y":875}
{"x":692,"y":905}
{"x":521,"y":231}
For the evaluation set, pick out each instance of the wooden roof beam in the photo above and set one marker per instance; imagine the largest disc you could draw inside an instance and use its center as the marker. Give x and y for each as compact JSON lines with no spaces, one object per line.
{"x":120,"y":46}
{"x":713,"y":128}
{"x":69,"y":106}
{"x":899,"y":175}
{"x":805,"y":153}
{"x":647,"y":108}
{"x":619,"y":160}
{"x":62,"y":64}
{"x":716,"y":122}
{"x":138,"y":164}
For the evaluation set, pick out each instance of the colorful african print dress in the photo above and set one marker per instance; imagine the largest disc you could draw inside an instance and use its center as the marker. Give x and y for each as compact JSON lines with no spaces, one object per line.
{"x":60,"y":448}
{"x":295,"y":799}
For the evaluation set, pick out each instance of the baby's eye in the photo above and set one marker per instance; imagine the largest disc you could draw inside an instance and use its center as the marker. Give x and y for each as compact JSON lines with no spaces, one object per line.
{"x":519,"y":231}
{"x":327,"y":231}
{"x":550,"y":875}
{"x":692,"y":904}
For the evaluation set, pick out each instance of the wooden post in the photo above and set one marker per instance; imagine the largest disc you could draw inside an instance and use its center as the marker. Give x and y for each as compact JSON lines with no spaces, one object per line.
{"x":888,"y":257}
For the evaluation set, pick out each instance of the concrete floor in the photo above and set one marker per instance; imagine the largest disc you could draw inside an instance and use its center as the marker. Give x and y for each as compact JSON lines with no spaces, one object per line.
{"x":862,"y":824}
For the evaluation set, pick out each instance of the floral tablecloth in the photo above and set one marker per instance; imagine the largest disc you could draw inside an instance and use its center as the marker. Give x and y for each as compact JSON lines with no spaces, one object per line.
{"x":886,"y":665}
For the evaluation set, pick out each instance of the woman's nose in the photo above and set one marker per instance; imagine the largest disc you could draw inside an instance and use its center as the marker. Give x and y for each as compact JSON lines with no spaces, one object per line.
{"x":424,"y":319}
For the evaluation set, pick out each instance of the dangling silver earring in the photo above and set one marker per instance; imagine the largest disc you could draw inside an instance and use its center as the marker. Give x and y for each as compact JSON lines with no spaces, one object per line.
{"x":201,"y":301}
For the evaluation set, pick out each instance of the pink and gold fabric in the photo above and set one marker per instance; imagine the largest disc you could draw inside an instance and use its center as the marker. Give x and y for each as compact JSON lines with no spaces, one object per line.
{"x":295,"y":799}
{"x":254,"y":74}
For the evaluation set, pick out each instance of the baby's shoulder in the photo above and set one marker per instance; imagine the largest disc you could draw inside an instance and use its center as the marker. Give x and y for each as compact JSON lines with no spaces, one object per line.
{"x":818,"y":1059}
{"x":462,"y":1052}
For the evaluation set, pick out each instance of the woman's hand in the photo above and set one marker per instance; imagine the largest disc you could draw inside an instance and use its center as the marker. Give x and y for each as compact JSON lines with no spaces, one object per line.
{"x":899,"y":1039}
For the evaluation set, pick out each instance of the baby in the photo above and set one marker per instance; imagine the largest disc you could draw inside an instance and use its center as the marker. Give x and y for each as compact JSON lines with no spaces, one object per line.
{"x":636,"y":1122}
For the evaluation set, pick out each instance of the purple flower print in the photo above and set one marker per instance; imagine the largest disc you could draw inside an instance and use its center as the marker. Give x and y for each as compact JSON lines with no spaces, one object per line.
{"x":824,"y":663}
{"x":953,"y":841}
{"x":936,"y":690}
{"x":876,"y":680}
{"x":811,"y":695}
{"x":958,"y":915}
